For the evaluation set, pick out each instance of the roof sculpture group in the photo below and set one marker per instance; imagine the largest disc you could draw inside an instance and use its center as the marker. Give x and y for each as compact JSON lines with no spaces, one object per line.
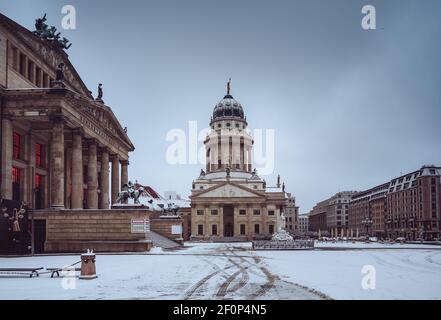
{"x":50,"y":33}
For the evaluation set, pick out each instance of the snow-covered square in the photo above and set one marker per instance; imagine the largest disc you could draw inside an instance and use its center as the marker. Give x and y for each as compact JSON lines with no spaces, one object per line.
{"x":235,"y":271}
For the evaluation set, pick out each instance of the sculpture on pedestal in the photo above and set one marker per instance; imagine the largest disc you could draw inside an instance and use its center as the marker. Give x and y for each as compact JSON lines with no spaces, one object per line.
{"x":129,"y":192}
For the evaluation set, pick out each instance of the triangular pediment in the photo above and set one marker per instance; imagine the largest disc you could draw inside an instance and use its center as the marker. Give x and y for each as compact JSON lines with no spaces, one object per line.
{"x":229,"y":190}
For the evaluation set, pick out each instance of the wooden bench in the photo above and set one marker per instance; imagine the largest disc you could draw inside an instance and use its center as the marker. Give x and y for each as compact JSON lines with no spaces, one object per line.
{"x":21,"y":271}
{"x":56,"y":271}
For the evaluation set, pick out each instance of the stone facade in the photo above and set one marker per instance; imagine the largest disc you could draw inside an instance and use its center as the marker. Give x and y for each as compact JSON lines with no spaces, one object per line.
{"x":229,"y":200}
{"x":292,"y":215}
{"x":407,"y":206}
{"x":100,"y":230}
{"x":303,"y":223}
{"x":331,"y":215}
{"x":165,"y":225}
{"x":368,"y":204}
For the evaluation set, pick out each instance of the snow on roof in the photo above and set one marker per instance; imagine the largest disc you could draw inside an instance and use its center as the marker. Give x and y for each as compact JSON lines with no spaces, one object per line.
{"x":154,"y":201}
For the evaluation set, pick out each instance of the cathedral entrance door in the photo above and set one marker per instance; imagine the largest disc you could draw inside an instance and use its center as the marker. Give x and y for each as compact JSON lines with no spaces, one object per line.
{"x":228,"y":221}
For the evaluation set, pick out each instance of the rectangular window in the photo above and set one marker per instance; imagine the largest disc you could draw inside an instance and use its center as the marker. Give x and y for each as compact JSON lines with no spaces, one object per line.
{"x":30,"y":71}
{"x":15,"y":175}
{"x":256,"y":212}
{"x":271,"y":228}
{"x":214,"y":212}
{"x":270,"y":212}
{"x":38,"y":155}
{"x":242,"y":229}
{"x":39,"y":194}
{"x":200,"y":229}
{"x":200,"y":212}
{"x":38,"y":181}
{"x":214,"y":229}
{"x":38,"y":77}
{"x":16,"y":179}
{"x":257,"y":228}
{"x":22,"y":65}
{"x":16,"y":145}
{"x":14,"y":58}
{"x":242,"y":212}
{"x":45,"y":80}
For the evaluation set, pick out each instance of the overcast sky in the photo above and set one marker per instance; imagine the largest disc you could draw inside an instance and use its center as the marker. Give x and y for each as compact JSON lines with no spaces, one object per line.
{"x":351,"y":108}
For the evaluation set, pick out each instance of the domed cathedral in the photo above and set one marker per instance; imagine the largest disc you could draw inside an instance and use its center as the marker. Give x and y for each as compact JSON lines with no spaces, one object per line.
{"x":229,"y":200}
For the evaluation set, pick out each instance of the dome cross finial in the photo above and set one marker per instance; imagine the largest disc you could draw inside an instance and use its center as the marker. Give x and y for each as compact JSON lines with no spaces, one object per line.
{"x":229,"y":86}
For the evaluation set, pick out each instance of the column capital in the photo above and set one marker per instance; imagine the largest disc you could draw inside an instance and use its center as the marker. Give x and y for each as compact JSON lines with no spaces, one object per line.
{"x":124,"y":162}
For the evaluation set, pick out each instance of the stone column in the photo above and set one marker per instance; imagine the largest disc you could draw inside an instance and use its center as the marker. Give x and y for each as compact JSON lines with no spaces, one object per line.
{"x":104,"y":203}
{"x":92,"y":177}
{"x":31,"y":169}
{"x":77,"y":171}
{"x":57,"y":166}
{"x":6,"y":160}
{"x":115,"y":178}
{"x":124,"y":172}
{"x":68,"y":178}
{"x":242,"y":154}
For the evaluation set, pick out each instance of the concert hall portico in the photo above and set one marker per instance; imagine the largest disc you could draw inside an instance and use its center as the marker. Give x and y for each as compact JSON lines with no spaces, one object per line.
{"x":82,"y":151}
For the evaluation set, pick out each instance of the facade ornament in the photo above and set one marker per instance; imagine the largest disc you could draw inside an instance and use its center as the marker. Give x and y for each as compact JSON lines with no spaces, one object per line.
{"x":229,"y":86}
{"x":283,"y":187}
{"x":202,"y":173}
{"x":278,"y":181}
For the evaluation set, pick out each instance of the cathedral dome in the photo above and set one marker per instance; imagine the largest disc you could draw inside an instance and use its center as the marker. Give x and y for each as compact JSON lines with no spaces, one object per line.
{"x":228,"y":107}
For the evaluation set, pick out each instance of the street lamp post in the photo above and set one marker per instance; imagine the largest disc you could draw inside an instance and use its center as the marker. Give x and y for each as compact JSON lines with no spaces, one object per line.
{"x":367,"y":222}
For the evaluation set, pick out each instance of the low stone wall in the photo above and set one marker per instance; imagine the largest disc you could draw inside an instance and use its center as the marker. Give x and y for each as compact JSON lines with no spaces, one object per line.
{"x":101,"y":230}
{"x":163,"y":226}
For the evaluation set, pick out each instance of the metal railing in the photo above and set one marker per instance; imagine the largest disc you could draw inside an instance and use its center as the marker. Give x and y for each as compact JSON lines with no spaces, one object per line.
{"x":283,"y":245}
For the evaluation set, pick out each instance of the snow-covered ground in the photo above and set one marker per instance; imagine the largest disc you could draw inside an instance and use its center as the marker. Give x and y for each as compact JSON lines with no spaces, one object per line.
{"x":233,"y":271}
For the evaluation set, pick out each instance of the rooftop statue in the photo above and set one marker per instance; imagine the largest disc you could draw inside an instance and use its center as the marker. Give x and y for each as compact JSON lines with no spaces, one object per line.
{"x":99,"y":98}
{"x":50,"y":33}
{"x":228,"y":86}
{"x":60,"y":72}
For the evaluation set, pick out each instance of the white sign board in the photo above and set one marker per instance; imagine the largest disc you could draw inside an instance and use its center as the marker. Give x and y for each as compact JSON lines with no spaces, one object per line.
{"x":176,"y":229}
{"x":140,"y":225}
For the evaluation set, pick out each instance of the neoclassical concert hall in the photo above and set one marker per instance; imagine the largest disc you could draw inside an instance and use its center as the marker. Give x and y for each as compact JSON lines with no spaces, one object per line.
{"x":61,"y":147}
